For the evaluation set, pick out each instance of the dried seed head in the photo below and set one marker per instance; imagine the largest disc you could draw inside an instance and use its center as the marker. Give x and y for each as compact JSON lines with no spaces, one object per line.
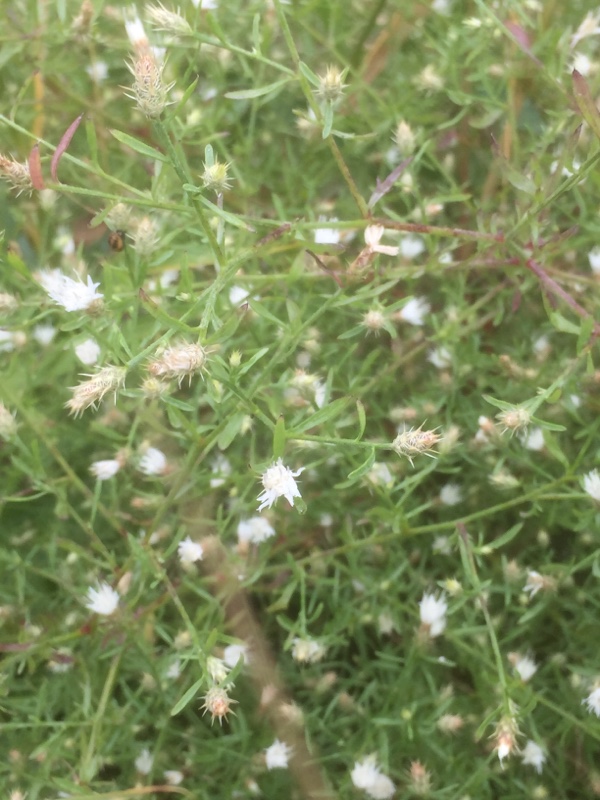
{"x":89,"y":393}
{"x":514,"y":419}
{"x":215,"y":177}
{"x":331,"y":85}
{"x":16,"y":173}
{"x":412,"y":442}
{"x":164,"y":20}
{"x":178,"y":361}
{"x":218,"y":703}
{"x":149,"y":90}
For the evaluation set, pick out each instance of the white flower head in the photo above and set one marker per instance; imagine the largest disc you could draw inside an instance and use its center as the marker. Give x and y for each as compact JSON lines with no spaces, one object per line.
{"x":144,"y":762}
{"x":533,"y":439}
{"x":88,"y":352}
{"x":98,"y":71}
{"x":104,"y":470}
{"x":254,"y":530}
{"x":327,"y":235}
{"x":173,"y":777}
{"x":71,"y":294}
{"x":533,"y":755}
{"x":411,"y":246}
{"x":278,"y":481}
{"x":451,"y":494}
{"x":189,"y":551}
{"x":440,"y":357}
{"x":591,"y":484}
{"x":44,"y":334}
{"x":307,"y":651}
{"x":432,"y":610}
{"x":373,"y":234}
{"x":594,"y":259}
{"x":153,"y":462}
{"x":233,"y":653}
{"x":277,"y":755}
{"x":525,"y":667}
{"x":367,"y":776}
{"x":415,"y":311}
{"x":103,"y":600}
{"x":590,"y":26}
{"x":592,"y":701}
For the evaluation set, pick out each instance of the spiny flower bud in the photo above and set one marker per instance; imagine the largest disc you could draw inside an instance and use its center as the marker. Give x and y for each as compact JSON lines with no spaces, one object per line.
{"x":8,"y":425}
{"x":149,"y":90}
{"x":218,"y":703}
{"x":178,"y":361}
{"x":419,"y":778}
{"x":514,"y":419}
{"x":505,"y":737}
{"x":164,"y":20}
{"x":331,"y":85}
{"x":119,"y":217}
{"x":16,"y":174}
{"x":145,"y":237}
{"x":153,"y":388}
{"x":215,"y":177}
{"x":89,"y":393}
{"x":404,"y":138}
{"x":412,"y":442}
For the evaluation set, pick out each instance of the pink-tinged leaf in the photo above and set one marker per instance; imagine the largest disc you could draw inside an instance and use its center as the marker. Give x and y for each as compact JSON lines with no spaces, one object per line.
{"x":62,"y":146}
{"x":585,"y":102}
{"x":35,"y":168}
{"x":384,"y":186}
{"x":521,"y":38}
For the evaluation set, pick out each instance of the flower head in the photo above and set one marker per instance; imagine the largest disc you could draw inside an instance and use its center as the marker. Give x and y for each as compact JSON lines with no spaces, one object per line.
{"x":533,"y":755}
{"x":104,"y":470}
{"x":591,"y":484}
{"x":592,"y":701}
{"x":218,"y":703}
{"x":144,"y":762}
{"x":88,"y":352}
{"x":15,"y":173}
{"x":163,"y":19}
{"x":415,"y":311}
{"x":178,"y":361}
{"x":277,"y":755}
{"x":189,"y":551}
{"x":373,"y":235}
{"x":331,"y":85}
{"x":412,"y":442}
{"x":367,"y":776}
{"x":432,"y":610}
{"x":149,"y":90}
{"x":278,"y":481}
{"x":505,"y":737}
{"x":103,"y":600}
{"x":215,"y":177}
{"x":254,"y":530}
{"x":525,"y":666}
{"x":153,"y":462}
{"x":307,"y":651}
{"x":89,"y":393}
{"x":71,"y":294}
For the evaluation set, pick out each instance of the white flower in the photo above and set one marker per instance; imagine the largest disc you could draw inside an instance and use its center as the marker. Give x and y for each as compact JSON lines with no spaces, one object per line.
{"x":103,"y":600}
{"x":432,"y":610}
{"x":72,"y":295}
{"x":144,"y":762}
{"x":533,"y":439}
{"x":451,"y":494}
{"x":277,"y":755}
{"x":526,"y":667}
{"x":442,"y":545}
{"x":7,"y":341}
{"x":237,"y":295}
{"x":103,"y":470}
{"x":217,"y":669}
{"x":581,"y":63}
{"x":533,"y":755}
{"x":327,"y":235}
{"x":255,"y":530}
{"x":88,"y":352}
{"x":380,"y":475}
{"x":594,"y":259}
{"x":173,"y":670}
{"x":233,"y":653}
{"x":373,"y":234}
{"x":221,"y":468}
{"x":98,"y":71}
{"x":440,"y":357}
{"x":415,"y":311}
{"x":153,"y":462}
{"x":134,"y":28}
{"x":592,"y":701}
{"x":173,"y":777}
{"x":591,"y":484}
{"x":411,"y":246}
{"x":278,"y":481}
{"x":367,"y":776}
{"x":590,"y":26}
{"x":44,"y":334}
{"x":307,"y":651}
{"x":189,"y":551}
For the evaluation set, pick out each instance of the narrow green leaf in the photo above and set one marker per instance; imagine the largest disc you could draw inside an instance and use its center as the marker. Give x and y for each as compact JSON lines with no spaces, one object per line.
{"x":321,"y":416}
{"x":309,"y":74}
{"x":357,"y":473}
{"x":90,"y":132}
{"x":249,"y":364}
{"x":261,"y":91}
{"x":585,"y":333}
{"x":187,"y":697}
{"x":506,"y":537}
{"x":279,"y":437}
{"x":362,"y":419}
{"x":140,"y":147}
{"x":230,"y":431}
{"x":585,"y":102}
{"x":327,"y":120}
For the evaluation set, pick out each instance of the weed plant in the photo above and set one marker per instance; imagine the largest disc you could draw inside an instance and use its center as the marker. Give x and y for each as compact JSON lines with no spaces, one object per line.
{"x":300,"y":493}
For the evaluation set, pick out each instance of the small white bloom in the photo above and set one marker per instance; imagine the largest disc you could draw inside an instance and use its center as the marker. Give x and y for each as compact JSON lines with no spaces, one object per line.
{"x":254,"y":530}
{"x":591,"y":484}
{"x":373,"y":234}
{"x":173,"y":777}
{"x":533,"y":439}
{"x":103,"y":600}
{"x":217,"y":669}
{"x":590,"y":26}
{"x":233,"y":653}
{"x":327,"y":235}
{"x":526,"y":667}
{"x":173,"y":670}
{"x":221,"y":469}
{"x":535,"y":582}
{"x":411,"y":246}
{"x":278,"y":481}
{"x":104,"y":470}
{"x":144,"y":762}
{"x":367,"y":776}
{"x":594,"y":259}
{"x":440,"y":357}
{"x":7,"y":341}
{"x":592,"y":701}
{"x":98,"y":71}
{"x":153,"y":462}
{"x":451,"y":494}
{"x":307,"y":651}
{"x":189,"y":551}
{"x":582,"y":64}
{"x":134,"y":27}
{"x":71,"y":294}
{"x":533,"y":755}
{"x":44,"y":334}
{"x":415,"y":311}
{"x":237,"y":295}
{"x":432,"y":610}
{"x":441,"y":545}
{"x":380,"y":475}
{"x":277,"y":755}
{"x":88,"y":352}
